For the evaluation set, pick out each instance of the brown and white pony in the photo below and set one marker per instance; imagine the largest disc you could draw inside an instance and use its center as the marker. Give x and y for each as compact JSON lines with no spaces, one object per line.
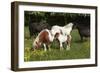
{"x":63,"y":34}
{"x":44,"y":38}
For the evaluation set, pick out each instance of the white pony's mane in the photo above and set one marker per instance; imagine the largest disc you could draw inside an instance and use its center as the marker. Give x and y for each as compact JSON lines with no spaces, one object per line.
{"x":68,"y":28}
{"x":69,"y":25}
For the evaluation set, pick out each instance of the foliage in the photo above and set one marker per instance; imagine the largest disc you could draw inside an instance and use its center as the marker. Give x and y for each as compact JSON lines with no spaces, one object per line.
{"x":51,"y":18}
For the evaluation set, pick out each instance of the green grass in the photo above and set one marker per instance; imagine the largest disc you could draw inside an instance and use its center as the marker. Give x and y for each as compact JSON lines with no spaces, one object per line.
{"x":79,"y":50}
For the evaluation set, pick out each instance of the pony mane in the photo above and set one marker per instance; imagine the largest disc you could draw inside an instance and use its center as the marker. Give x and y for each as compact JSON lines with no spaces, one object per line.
{"x":69,"y":25}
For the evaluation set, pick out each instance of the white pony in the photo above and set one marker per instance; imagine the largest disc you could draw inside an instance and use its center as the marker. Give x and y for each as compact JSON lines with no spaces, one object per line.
{"x":44,"y":38}
{"x":63,"y":34}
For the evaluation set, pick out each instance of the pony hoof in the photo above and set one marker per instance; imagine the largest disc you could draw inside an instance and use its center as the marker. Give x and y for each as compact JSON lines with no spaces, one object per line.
{"x":32,"y":49}
{"x":45,"y":50}
{"x":68,"y":48}
{"x":49,"y":49}
{"x":61,"y":49}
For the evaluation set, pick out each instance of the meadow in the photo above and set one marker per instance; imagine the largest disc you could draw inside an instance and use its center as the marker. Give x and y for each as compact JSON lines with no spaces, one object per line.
{"x":78,"y":50}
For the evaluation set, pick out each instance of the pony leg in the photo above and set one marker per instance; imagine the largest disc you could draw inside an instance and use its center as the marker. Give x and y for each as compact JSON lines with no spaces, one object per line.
{"x":49,"y":48}
{"x":68,"y":42}
{"x":61,"y":46}
{"x":68,"y":47}
{"x":45,"y":49}
{"x":82,"y":38}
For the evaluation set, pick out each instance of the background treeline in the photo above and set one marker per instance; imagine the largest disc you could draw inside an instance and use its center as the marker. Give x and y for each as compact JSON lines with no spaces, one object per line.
{"x":53,"y":18}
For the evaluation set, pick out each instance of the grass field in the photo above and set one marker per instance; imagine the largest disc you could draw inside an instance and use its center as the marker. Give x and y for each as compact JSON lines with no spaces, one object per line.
{"x":79,"y":50}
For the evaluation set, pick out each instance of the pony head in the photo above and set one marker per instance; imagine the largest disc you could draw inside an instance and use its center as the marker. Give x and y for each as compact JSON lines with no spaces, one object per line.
{"x":36,"y":43}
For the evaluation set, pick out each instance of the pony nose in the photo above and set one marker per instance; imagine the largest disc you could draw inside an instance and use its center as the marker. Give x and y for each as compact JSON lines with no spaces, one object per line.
{"x":33,"y":48}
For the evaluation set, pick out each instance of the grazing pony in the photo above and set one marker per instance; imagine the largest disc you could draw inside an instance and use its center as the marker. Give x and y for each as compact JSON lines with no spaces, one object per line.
{"x":84,"y":31}
{"x":82,"y":23}
{"x":62,"y":34}
{"x":44,"y":38}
